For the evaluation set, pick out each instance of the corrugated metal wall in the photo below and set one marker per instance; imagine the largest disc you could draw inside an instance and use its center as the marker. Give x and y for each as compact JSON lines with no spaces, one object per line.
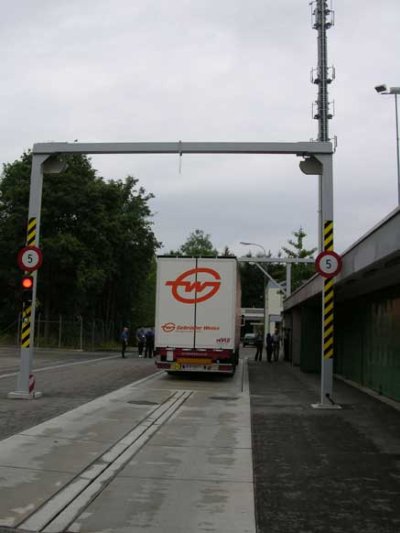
{"x":367,"y":332}
{"x":310,"y":359}
{"x":367,"y":340}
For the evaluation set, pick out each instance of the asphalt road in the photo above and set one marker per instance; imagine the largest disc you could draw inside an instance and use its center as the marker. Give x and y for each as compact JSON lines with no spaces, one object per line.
{"x":67,"y":379}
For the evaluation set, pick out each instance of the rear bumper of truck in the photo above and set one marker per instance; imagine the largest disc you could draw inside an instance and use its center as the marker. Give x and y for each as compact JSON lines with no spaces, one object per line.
{"x":195,"y":367}
{"x":185,"y":360}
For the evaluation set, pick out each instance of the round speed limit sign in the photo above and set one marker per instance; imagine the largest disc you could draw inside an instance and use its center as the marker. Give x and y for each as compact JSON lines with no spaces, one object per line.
{"x":328,"y":264}
{"x":30,"y":258}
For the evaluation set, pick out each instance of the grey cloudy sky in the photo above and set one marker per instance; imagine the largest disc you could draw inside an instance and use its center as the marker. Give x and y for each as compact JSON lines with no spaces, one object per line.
{"x":209,"y":70}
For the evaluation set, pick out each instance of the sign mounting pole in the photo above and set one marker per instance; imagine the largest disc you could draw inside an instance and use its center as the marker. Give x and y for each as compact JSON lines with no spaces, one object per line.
{"x":28,"y":312}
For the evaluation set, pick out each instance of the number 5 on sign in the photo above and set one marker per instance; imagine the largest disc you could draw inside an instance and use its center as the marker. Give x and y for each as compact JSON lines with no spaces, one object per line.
{"x":30,"y":258}
{"x":328,"y":264}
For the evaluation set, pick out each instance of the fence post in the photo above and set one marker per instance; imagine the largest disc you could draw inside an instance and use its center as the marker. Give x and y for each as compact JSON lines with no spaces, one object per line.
{"x":59,"y":330}
{"x":81,"y":334}
{"x":19,"y":329}
{"x":38,"y":330}
{"x":93,"y":329}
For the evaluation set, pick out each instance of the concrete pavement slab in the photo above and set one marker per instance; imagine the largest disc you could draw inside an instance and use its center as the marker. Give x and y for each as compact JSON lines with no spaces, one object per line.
{"x":169,"y":506}
{"x":18,"y":500}
{"x":63,"y":507}
{"x":47,"y":454}
{"x":107,"y":423}
{"x":202,"y":435}
{"x":185,"y":462}
{"x":204,"y":407}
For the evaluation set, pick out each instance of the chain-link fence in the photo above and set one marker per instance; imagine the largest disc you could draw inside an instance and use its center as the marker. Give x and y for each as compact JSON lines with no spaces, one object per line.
{"x":9,"y":332}
{"x":77,"y":333}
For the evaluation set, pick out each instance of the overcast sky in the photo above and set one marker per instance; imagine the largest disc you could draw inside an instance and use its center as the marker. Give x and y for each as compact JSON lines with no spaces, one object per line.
{"x":210,"y":70}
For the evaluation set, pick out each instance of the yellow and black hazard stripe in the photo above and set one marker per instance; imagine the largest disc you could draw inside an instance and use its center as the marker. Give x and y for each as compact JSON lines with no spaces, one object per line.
{"x":328,"y":313}
{"x":328,"y":236}
{"x":26,"y":325}
{"x":31,"y":232}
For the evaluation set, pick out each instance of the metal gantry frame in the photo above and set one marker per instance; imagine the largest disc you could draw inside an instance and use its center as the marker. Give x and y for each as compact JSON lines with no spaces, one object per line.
{"x":287,"y":289}
{"x":47,"y":158}
{"x":288,"y":261}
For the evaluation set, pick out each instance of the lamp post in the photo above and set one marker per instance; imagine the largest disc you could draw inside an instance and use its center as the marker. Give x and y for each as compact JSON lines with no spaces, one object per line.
{"x":383,"y":89}
{"x":266,"y":311}
{"x":254,"y":244}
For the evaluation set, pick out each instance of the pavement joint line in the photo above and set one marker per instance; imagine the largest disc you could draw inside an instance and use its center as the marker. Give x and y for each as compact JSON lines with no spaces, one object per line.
{"x":61,"y":509}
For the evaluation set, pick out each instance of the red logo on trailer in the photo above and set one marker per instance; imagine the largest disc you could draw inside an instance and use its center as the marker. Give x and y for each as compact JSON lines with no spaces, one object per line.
{"x":195,"y":285}
{"x":168,"y":327}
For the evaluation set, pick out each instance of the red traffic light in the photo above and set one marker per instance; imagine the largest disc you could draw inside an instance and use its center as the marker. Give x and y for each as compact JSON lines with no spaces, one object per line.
{"x":27,"y":283}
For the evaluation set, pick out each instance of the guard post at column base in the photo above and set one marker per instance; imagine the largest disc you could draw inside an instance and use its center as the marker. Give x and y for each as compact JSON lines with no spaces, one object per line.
{"x":21,"y":395}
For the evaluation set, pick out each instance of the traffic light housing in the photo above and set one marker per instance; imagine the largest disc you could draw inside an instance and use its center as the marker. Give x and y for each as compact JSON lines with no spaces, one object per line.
{"x":27,"y":288}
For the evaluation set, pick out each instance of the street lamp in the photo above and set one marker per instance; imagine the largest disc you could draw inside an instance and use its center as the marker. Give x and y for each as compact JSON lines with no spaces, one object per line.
{"x":383,"y":89}
{"x":254,"y":244}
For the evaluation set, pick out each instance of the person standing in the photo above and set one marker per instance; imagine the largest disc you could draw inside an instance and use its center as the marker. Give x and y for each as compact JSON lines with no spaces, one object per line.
{"x":276,"y":339}
{"x":269,"y":346}
{"x":141,"y":339}
{"x":149,"y":343}
{"x":259,"y":346}
{"x":124,"y":340}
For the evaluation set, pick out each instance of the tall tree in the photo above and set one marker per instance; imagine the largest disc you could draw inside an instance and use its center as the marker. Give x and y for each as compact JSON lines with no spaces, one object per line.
{"x":252,"y":283}
{"x":300,"y":272}
{"x":96,"y":238}
{"x":227,"y":252}
{"x":198,"y":244}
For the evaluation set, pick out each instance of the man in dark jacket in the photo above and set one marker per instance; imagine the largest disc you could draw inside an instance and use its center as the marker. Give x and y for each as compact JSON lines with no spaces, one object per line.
{"x":124,"y":340}
{"x":148,"y":352}
{"x":259,"y":346}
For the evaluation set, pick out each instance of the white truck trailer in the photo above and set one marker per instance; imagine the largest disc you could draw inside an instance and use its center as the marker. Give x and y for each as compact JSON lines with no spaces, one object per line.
{"x":197,"y":327}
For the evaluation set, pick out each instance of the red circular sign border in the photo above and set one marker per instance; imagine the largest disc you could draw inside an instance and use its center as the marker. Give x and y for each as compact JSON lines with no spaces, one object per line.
{"x":21,"y":253}
{"x":319,"y":259}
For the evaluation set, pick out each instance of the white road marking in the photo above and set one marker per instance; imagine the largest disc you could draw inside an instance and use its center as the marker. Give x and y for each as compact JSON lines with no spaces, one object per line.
{"x":62,"y":365}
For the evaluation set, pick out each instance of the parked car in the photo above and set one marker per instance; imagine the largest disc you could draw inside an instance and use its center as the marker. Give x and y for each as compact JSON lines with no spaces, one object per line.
{"x":249,"y":339}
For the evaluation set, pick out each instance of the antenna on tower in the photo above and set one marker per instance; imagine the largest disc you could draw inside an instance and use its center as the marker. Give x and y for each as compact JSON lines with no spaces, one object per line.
{"x":323,"y":18}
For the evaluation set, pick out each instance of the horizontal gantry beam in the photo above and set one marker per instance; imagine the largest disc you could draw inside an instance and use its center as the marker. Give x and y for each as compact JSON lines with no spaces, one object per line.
{"x":291,"y":260}
{"x":297,"y":148}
